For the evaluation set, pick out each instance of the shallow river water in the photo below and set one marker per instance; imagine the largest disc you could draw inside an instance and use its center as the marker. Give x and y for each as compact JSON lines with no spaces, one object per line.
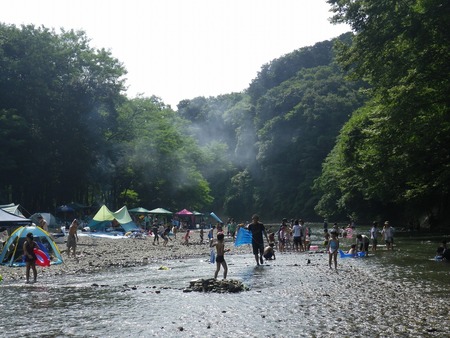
{"x":404,"y":293}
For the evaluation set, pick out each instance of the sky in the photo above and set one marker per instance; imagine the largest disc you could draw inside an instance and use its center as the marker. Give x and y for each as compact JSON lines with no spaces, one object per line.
{"x":182,"y":49}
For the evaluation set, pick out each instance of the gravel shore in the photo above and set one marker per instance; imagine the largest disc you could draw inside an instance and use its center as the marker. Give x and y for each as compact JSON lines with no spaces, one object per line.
{"x":95,"y":254}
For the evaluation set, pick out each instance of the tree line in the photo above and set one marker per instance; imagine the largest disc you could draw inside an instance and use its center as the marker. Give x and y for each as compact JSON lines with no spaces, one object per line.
{"x":355,"y":127}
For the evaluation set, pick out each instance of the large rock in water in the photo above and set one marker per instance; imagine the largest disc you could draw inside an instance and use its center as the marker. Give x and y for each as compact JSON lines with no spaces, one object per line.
{"x":214,"y":285}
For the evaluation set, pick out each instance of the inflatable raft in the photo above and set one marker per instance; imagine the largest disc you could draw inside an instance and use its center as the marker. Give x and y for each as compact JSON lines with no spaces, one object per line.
{"x":342,"y":254}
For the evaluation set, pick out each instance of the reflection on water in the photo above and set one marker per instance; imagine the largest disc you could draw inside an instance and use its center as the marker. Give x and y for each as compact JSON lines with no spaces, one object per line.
{"x":288,"y":297}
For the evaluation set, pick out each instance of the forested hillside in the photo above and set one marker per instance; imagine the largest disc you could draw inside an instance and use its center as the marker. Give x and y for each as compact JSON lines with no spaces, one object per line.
{"x":69,"y":133}
{"x":392,"y":158}
{"x":357,"y":127}
{"x":272,"y":139}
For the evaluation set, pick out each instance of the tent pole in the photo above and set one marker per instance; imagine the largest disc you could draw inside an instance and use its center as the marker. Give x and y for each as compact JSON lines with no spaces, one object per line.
{"x":15,"y":248}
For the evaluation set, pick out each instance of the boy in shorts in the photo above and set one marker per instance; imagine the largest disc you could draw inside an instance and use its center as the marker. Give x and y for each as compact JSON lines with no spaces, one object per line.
{"x":220,"y":256}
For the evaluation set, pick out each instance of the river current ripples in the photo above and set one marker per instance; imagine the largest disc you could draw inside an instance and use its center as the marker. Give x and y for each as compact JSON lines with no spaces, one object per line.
{"x":391,"y":294}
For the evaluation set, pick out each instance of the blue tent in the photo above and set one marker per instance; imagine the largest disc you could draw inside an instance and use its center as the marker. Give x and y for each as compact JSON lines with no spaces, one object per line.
{"x":12,"y":252}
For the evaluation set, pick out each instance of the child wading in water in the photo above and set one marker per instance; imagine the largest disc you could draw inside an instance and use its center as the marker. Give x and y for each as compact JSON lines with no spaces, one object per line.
{"x":332,"y":248}
{"x":220,"y":258}
{"x":186,"y":237}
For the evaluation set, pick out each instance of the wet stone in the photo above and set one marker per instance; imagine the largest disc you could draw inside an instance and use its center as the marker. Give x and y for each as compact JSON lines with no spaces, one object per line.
{"x":214,"y":285}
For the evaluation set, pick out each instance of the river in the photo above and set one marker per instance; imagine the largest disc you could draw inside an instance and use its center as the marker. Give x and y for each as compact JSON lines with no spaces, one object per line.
{"x":404,"y":293}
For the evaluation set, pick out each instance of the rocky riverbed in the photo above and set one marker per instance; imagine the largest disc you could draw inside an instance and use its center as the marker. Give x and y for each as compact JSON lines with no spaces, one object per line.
{"x":295,"y":295}
{"x":98,"y":253}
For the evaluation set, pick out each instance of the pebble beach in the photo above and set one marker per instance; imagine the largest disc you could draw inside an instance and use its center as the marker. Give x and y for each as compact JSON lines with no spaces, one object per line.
{"x":99,"y":253}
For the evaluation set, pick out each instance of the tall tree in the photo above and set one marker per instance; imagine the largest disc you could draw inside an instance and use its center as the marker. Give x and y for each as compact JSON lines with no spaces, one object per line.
{"x":66,"y":93}
{"x":401,"y":48}
{"x":158,"y":160}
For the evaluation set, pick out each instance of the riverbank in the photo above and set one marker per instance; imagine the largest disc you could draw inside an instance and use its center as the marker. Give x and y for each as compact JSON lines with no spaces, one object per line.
{"x":295,"y":295}
{"x":95,"y":254}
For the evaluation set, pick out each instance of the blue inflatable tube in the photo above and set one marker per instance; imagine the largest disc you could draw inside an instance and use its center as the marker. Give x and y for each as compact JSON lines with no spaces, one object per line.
{"x":213,"y":215}
{"x":342,"y":254}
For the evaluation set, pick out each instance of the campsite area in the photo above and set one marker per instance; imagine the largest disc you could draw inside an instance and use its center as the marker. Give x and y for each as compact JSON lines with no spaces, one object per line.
{"x":137,"y":223}
{"x":96,"y":252}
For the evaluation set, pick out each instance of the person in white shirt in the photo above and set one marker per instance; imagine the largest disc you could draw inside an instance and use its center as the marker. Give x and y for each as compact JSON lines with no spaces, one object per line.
{"x":374,"y":235}
{"x":388,"y":234}
{"x":297,"y":229}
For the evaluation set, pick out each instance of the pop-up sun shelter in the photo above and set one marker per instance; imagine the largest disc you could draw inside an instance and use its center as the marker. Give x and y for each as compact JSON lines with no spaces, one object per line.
{"x":139,"y":210}
{"x":186,"y":215}
{"x":12,"y":252}
{"x":160,"y":211}
{"x":104,"y":217}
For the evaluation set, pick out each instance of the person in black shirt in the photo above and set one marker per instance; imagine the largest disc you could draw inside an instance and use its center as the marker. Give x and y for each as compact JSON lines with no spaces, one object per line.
{"x":258,"y":230}
{"x":30,"y":257}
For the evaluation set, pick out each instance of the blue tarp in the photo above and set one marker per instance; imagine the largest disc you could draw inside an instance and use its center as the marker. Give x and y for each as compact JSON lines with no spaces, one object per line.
{"x":244,"y":236}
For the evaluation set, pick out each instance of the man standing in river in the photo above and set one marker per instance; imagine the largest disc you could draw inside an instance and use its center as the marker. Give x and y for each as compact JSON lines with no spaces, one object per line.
{"x":257,"y":229}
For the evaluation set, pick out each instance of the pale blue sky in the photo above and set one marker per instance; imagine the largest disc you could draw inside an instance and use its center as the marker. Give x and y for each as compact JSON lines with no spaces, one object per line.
{"x":180,"y":49}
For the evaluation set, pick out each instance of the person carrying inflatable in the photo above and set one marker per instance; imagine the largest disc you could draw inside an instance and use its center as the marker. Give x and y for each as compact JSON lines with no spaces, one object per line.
{"x":258,"y":230}
{"x":30,"y":257}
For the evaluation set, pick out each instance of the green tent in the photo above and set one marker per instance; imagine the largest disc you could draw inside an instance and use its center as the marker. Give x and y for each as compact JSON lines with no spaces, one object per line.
{"x":160,"y":211}
{"x":104,"y":217}
{"x":139,"y":210}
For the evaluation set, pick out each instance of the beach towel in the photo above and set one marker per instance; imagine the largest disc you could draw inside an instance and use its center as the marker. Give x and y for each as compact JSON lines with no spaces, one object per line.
{"x":244,"y":236}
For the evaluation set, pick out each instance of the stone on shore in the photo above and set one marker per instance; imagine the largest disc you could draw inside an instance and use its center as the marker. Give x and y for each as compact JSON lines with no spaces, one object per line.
{"x":215,"y":285}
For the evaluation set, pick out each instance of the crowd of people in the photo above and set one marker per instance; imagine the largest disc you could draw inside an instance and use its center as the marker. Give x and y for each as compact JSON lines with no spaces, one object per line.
{"x":293,"y":236}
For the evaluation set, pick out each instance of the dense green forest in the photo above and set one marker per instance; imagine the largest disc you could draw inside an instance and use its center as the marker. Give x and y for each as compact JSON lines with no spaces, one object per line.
{"x":356,"y":127}
{"x":392,"y":157}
